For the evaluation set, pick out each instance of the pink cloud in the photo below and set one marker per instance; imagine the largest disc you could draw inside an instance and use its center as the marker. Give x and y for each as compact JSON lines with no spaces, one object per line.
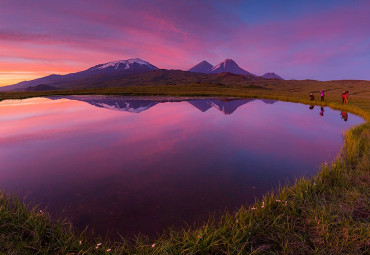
{"x":178,"y":34}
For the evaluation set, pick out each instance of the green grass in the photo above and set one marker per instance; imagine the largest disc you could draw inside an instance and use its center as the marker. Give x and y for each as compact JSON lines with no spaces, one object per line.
{"x":327,"y":214}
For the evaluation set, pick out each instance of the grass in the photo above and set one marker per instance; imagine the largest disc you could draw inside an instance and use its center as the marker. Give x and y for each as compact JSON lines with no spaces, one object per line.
{"x":327,"y":214}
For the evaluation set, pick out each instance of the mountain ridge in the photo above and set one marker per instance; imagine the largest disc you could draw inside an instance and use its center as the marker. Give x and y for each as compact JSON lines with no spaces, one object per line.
{"x":138,"y":72}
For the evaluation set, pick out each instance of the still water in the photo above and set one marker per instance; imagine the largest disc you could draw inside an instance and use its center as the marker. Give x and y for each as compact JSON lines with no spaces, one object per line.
{"x":134,"y":165}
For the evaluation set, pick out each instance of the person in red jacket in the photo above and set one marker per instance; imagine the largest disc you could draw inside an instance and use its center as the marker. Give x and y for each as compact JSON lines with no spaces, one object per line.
{"x":343,"y":97}
{"x":322,"y":94}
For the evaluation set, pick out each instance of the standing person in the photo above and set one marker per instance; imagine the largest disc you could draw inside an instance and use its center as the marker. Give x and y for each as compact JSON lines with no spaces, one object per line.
{"x":346,"y":97}
{"x":322,"y":94}
{"x":343,"y":97}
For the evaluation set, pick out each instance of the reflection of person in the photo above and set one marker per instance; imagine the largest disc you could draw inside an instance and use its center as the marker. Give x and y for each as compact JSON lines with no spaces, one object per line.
{"x":322,"y":94}
{"x":312,"y":97}
{"x":343,"y":97}
{"x":346,"y":97}
{"x":322,"y":111}
{"x":311,"y":107}
{"x":344,"y":116}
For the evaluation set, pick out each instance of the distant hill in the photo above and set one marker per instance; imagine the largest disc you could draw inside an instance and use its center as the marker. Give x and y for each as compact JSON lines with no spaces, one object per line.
{"x":271,"y":76}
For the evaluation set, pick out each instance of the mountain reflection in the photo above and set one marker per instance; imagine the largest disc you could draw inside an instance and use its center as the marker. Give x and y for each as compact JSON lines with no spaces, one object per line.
{"x":139,"y":104}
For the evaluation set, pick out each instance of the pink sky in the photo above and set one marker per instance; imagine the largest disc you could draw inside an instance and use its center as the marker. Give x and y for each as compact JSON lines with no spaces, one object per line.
{"x":296,"y":39}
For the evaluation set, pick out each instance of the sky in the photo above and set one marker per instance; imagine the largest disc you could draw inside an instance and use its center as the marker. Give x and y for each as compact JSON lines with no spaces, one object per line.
{"x":322,"y":40}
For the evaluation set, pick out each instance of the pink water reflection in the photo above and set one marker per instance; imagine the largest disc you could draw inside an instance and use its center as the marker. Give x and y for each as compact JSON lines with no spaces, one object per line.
{"x":142,"y":172}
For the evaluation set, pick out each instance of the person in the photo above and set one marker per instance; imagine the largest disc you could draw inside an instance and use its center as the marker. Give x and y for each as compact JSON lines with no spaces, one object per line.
{"x":343,"y":97}
{"x":322,"y":94}
{"x":344,"y":116}
{"x":322,"y":111}
{"x":346,"y":97}
{"x":312,"y":97}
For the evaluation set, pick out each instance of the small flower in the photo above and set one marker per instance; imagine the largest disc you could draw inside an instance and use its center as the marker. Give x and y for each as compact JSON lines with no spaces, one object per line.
{"x":80,"y":242}
{"x":278,"y":200}
{"x":253,"y":208}
{"x":199,"y":237}
{"x":97,"y":245}
{"x":153,"y":245}
{"x":108,"y":250}
{"x":237,"y":221}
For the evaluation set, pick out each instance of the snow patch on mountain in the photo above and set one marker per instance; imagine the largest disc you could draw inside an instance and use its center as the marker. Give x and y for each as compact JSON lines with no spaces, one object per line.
{"x":126,"y":64}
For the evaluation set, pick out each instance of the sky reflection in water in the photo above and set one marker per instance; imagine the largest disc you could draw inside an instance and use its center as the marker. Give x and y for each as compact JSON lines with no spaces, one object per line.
{"x":131,"y":165}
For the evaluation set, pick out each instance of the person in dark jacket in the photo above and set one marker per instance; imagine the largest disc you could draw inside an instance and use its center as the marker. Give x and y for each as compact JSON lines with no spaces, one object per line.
{"x":312,"y":97}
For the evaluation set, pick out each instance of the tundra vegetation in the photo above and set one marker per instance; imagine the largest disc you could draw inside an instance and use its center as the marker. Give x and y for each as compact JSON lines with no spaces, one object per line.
{"x":326,"y":214}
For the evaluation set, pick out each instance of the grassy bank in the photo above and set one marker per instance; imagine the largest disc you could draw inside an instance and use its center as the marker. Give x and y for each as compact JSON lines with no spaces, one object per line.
{"x":328,"y":214}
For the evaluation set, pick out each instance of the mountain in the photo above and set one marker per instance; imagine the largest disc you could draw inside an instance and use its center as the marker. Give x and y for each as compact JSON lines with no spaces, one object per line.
{"x":135,"y":65}
{"x":98,"y":72}
{"x":229,"y":65}
{"x":202,"y":67}
{"x":272,"y":76}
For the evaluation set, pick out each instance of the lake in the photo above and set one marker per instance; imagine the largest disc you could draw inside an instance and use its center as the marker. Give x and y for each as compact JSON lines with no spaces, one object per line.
{"x":133,"y":165}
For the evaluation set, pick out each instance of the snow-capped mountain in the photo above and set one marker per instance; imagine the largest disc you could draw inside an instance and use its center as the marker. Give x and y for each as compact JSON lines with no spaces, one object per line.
{"x":272,"y":76}
{"x":229,"y":65}
{"x":202,"y":67}
{"x":129,"y":64}
{"x":106,"y":70}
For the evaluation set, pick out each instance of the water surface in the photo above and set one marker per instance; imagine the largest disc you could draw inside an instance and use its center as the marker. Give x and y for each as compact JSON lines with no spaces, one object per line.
{"x":135,"y":164}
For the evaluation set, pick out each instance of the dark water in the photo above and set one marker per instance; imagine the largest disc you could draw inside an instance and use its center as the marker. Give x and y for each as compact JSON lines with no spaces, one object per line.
{"x":130,"y":165}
